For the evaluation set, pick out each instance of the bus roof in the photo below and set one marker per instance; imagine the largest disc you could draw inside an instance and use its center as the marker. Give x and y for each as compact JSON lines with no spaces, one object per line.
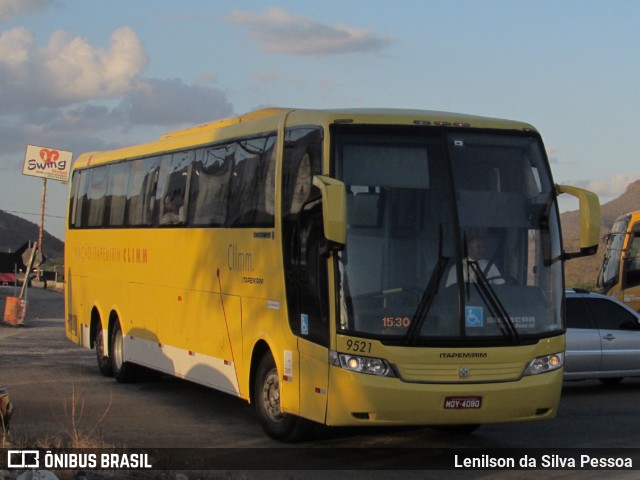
{"x":267,"y":119}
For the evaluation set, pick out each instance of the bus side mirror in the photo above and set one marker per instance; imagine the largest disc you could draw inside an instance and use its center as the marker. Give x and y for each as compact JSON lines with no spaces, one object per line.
{"x":334,"y":209}
{"x":589,"y":220}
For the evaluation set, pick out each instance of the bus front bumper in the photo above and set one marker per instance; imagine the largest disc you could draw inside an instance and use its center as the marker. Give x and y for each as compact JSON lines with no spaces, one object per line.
{"x":358,"y":399}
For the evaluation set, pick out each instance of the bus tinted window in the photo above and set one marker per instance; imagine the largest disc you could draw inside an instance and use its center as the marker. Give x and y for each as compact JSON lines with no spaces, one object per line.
{"x":117,"y":194}
{"x":82,"y":201}
{"x":96,"y":197}
{"x":171,"y":188}
{"x":209,"y":190}
{"x":74,"y":221}
{"x":228,"y":185}
{"x":141,"y":190}
{"x":302,"y":160}
{"x":252,"y":184}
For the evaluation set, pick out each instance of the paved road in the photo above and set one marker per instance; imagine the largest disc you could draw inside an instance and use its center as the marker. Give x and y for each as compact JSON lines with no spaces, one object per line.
{"x":58,"y":392}
{"x":60,"y":396}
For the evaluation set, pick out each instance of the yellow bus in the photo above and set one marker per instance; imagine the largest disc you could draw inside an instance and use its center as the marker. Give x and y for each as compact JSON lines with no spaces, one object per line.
{"x":619,"y":276}
{"x":318,"y":264}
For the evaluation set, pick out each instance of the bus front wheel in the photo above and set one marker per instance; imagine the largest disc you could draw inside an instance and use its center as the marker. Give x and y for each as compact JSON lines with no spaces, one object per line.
{"x":278,"y":425}
{"x":123,"y":371}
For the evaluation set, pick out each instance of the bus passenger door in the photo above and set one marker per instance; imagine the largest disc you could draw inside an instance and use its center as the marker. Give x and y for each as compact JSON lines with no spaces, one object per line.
{"x":305,"y":266}
{"x":306,"y":287}
{"x":313,"y":328}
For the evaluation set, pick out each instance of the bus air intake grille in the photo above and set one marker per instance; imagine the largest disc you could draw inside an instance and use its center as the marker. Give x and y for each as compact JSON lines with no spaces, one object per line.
{"x":460,"y":372}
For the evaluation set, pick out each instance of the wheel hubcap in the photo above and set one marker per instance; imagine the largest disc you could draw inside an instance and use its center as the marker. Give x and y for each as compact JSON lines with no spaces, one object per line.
{"x":117,"y":350}
{"x":271,"y":396}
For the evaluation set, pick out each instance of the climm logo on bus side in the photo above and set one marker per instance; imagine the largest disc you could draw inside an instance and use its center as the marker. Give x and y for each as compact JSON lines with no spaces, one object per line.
{"x":239,"y":261}
{"x":242,"y":262}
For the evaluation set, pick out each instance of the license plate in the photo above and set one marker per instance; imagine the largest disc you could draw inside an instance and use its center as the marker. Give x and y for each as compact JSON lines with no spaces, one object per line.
{"x":462,"y":403}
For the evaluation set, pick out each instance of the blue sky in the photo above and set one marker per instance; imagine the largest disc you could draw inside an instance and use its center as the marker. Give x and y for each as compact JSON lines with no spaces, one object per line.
{"x":82,"y":75}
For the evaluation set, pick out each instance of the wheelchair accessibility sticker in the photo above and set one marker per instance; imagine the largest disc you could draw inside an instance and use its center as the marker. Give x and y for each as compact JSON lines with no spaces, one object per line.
{"x":474,"y":316}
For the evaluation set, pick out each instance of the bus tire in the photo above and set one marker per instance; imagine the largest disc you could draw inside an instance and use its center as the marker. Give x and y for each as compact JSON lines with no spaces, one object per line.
{"x":277,"y":425}
{"x":104,"y":362}
{"x":124,"y":372}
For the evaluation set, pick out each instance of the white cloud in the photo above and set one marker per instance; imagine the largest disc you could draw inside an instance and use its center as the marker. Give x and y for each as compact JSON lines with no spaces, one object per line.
{"x":279,"y":31}
{"x":68,"y":69}
{"x":611,"y":187}
{"x":12,"y":8}
{"x":69,"y":93}
{"x":15,"y":52}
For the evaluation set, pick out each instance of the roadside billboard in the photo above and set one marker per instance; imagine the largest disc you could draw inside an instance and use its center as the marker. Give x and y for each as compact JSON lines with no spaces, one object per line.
{"x":47,"y":163}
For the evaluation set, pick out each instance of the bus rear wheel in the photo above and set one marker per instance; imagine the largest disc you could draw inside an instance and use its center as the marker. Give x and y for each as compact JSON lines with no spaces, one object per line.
{"x":278,"y":425}
{"x":123,"y":371}
{"x":104,"y":362}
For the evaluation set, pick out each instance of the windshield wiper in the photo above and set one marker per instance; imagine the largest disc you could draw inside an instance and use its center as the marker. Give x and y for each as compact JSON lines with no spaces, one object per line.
{"x":428,"y":296}
{"x":492,"y":301}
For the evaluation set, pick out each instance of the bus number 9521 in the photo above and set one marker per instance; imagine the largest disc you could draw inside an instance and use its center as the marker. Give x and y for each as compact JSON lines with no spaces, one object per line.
{"x":359,"y":346}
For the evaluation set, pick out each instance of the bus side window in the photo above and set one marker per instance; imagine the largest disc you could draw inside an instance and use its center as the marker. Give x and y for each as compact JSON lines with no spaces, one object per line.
{"x":117,"y":194}
{"x":249,"y":184}
{"x":141,"y":181}
{"x":75,"y":205}
{"x":150,"y":187}
{"x":209,"y":189}
{"x":632,"y":260}
{"x":96,"y":196}
{"x":171,"y":188}
{"x":133,"y":207}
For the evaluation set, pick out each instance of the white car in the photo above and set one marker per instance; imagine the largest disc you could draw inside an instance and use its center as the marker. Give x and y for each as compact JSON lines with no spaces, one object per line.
{"x":603,"y":338}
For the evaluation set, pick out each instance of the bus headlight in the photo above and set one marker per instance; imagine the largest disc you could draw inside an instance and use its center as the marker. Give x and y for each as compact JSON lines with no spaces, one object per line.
{"x":367,"y":365}
{"x":546,"y":363}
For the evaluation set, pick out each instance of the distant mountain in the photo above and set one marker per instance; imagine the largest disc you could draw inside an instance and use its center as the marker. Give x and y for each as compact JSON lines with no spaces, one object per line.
{"x":584,"y":271}
{"x":14,"y":231}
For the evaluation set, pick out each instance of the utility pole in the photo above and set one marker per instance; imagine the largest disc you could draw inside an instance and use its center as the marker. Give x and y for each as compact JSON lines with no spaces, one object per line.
{"x":44,"y":196}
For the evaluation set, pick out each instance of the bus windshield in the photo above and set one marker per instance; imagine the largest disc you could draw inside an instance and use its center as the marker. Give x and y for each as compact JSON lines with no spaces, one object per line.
{"x":451,"y":237}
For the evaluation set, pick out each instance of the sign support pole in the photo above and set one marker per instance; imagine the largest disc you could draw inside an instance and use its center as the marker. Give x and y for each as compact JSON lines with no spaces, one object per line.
{"x":44,"y":196}
{"x":41,"y":230}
